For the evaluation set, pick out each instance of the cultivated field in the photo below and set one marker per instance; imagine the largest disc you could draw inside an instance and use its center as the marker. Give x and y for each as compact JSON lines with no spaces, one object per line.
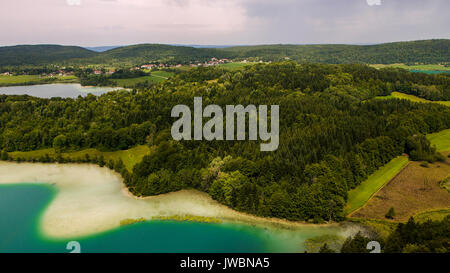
{"x":359,"y":195}
{"x":414,"y":190}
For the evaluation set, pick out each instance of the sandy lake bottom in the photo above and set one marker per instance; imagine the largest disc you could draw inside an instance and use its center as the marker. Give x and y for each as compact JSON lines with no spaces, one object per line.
{"x":43,"y":206}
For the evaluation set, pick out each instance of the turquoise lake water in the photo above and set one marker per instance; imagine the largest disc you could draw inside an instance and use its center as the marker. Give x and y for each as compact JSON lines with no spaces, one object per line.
{"x":21,"y":207}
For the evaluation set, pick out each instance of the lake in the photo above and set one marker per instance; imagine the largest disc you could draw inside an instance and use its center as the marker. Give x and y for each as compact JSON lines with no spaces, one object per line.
{"x":430,"y":71}
{"x":84,"y":203}
{"x":55,"y":90}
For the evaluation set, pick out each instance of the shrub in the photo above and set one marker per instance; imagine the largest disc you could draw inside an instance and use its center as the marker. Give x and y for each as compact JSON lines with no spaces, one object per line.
{"x":390,"y":214}
{"x":424,"y":164}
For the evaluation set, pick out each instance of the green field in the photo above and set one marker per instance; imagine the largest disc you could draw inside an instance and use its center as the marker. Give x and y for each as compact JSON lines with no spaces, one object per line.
{"x":33,"y":79}
{"x":156,"y":76}
{"x":429,"y":67}
{"x":433,"y":215}
{"x":398,"y":95}
{"x":129,"y":157}
{"x":162,"y":74}
{"x":359,"y":195}
{"x":441,"y":140}
{"x":235,"y":66}
{"x":133,"y":81}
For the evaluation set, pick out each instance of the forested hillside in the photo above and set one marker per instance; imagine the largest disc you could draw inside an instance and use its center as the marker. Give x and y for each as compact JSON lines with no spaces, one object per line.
{"x":156,"y":52}
{"x":332,"y":133}
{"x":41,"y":54}
{"x":426,"y":51}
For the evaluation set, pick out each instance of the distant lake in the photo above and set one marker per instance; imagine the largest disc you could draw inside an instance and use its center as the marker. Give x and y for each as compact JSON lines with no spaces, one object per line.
{"x":430,"y":71}
{"x":56,"y":90}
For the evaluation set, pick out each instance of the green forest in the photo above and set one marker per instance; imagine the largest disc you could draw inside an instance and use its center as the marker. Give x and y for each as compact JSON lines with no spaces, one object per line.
{"x":422,"y":52}
{"x":333,"y":133}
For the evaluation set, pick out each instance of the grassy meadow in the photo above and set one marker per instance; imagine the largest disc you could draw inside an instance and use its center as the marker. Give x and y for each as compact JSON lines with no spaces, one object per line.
{"x":34,"y":79}
{"x":235,"y":65}
{"x":398,"y":95}
{"x":129,"y":157}
{"x":361,"y":194}
{"x":415,"y":190}
{"x":156,"y":77}
{"x":430,"y":67}
{"x":441,"y":140}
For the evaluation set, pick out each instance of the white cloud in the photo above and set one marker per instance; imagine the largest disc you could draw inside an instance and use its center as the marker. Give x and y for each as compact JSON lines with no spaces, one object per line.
{"x":373,"y":2}
{"x":100,"y":22}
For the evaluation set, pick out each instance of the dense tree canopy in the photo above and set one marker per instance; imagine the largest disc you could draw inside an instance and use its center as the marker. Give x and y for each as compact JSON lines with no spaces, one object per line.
{"x":333,"y":134}
{"x":426,"y":51}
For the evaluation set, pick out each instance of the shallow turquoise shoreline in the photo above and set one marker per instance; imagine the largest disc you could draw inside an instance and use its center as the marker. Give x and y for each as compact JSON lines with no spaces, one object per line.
{"x":22,"y":206}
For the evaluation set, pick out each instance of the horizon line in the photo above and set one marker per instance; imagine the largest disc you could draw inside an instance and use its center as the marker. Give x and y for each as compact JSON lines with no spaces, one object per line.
{"x":218,"y":45}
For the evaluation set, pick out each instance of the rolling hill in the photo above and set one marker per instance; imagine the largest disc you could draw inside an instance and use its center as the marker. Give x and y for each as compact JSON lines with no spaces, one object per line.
{"x":41,"y":54}
{"x":425,"y":51}
{"x":158,"y":52}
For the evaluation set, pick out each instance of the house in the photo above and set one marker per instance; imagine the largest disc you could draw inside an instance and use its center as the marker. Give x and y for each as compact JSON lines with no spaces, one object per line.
{"x":97,"y":72}
{"x":147,"y":66}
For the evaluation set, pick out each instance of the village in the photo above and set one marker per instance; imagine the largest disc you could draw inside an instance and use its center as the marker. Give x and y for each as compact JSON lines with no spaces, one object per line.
{"x":214,"y":61}
{"x":64,"y":72}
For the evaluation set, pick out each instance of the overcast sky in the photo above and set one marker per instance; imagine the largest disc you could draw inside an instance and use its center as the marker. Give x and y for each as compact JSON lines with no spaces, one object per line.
{"x":220,"y":22}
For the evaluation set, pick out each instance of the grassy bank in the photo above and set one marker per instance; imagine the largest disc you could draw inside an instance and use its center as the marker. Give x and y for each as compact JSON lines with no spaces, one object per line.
{"x":414,"y":190}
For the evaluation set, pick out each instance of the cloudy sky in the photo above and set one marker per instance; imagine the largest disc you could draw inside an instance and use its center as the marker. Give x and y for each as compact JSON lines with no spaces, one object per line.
{"x":220,"y":22}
